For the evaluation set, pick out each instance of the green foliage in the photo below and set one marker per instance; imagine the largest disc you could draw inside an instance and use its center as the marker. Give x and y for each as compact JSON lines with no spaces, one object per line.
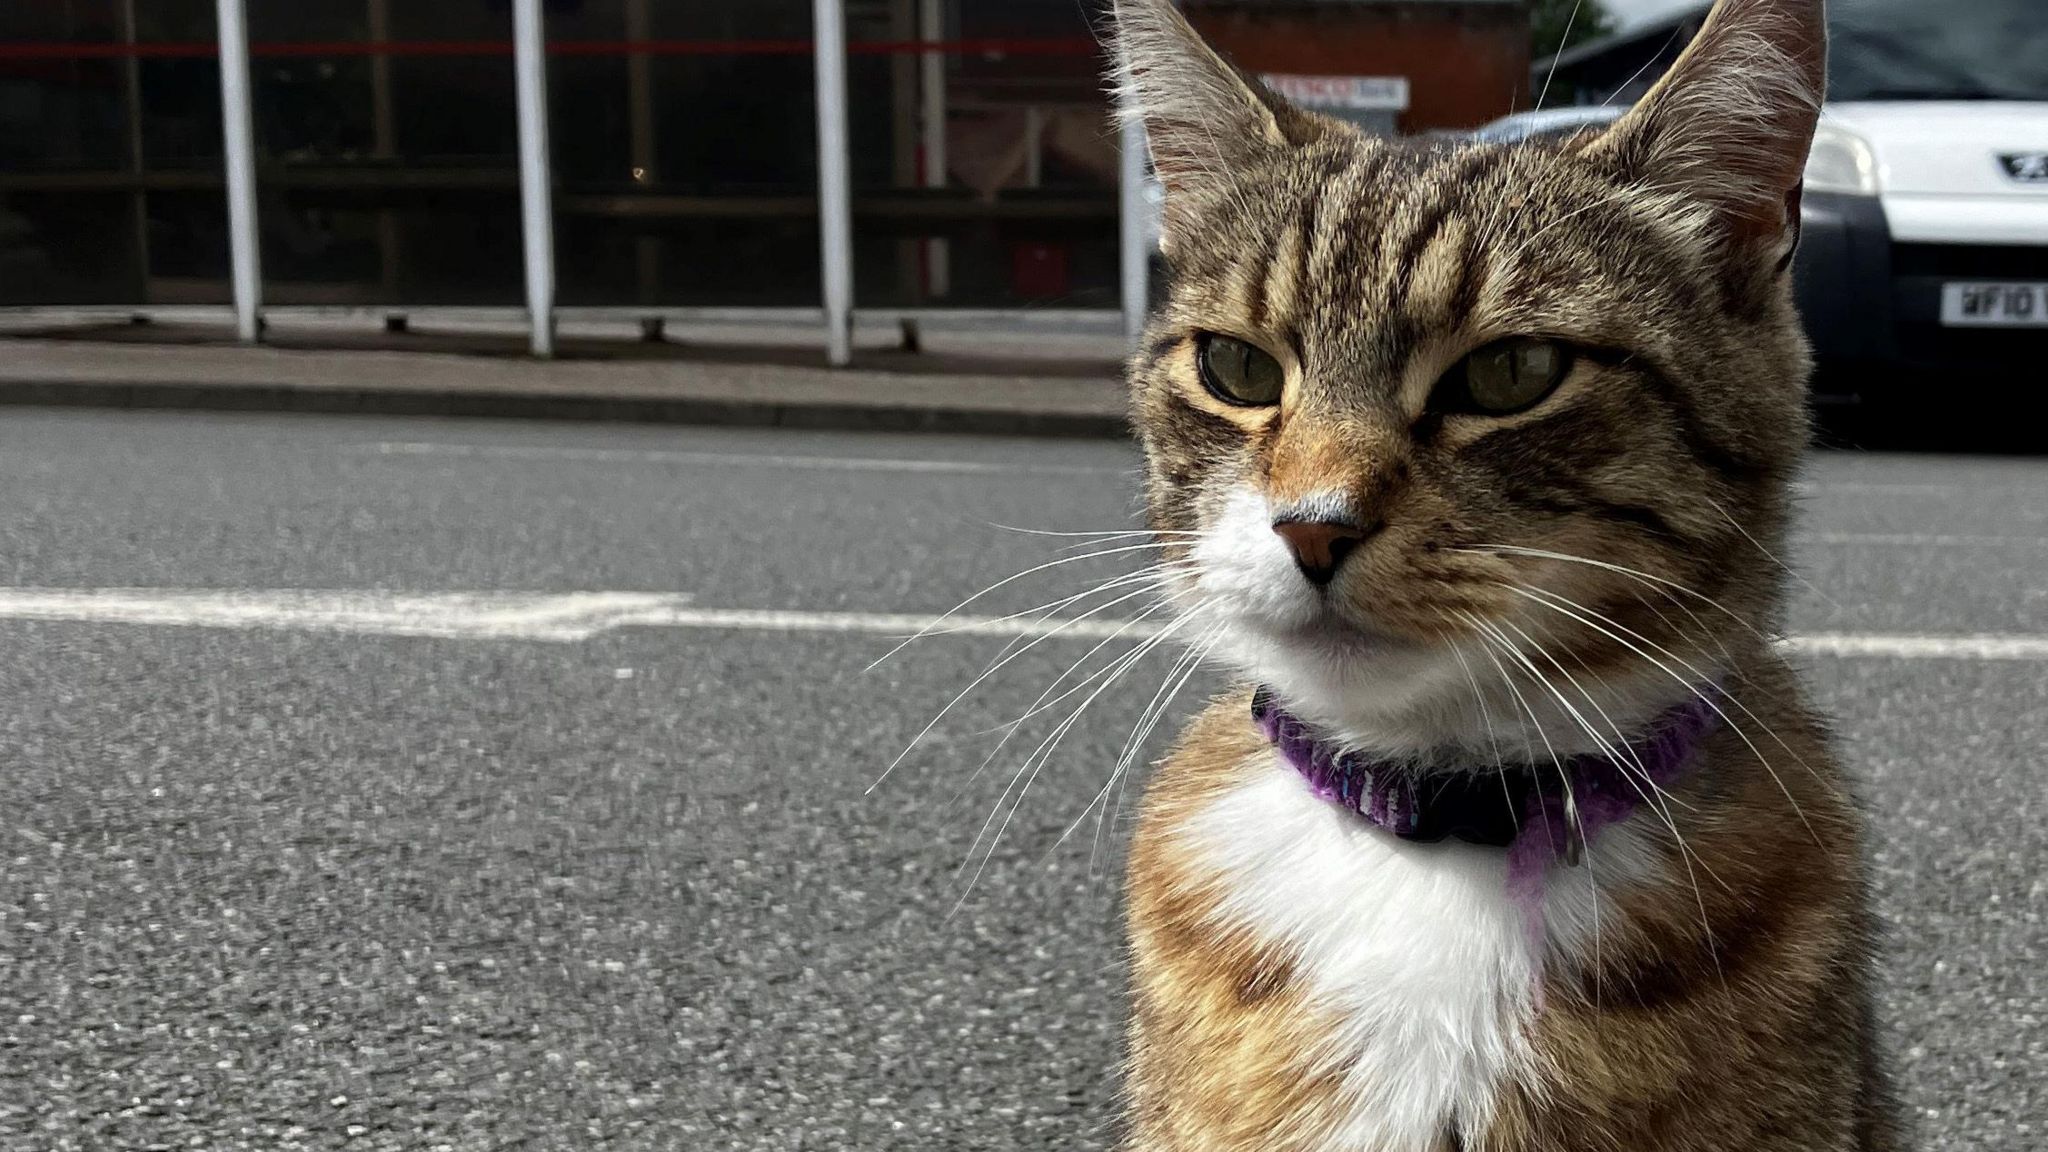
{"x":1550,"y":19}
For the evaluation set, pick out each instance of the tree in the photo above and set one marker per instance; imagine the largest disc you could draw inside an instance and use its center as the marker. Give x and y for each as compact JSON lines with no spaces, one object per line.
{"x":1553,"y":27}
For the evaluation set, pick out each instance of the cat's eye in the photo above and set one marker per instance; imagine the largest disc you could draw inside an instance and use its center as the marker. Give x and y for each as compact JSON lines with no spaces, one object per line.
{"x":1238,"y":372}
{"x":1504,"y":377}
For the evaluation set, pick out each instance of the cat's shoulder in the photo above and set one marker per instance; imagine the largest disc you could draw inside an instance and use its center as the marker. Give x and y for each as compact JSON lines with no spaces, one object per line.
{"x":1217,"y":750}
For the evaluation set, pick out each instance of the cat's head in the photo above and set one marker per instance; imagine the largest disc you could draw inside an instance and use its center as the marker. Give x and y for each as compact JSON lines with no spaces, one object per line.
{"x":1418,"y":410}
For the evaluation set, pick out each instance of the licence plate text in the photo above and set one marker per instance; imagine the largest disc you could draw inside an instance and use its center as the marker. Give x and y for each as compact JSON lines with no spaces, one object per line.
{"x":1985,"y":305}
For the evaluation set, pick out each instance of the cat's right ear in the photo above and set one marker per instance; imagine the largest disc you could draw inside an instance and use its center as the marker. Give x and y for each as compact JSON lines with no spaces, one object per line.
{"x":1731,"y":123}
{"x":1202,"y":117}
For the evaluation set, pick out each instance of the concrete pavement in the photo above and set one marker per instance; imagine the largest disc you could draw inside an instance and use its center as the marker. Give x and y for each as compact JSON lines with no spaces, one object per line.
{"x":274,"y":886}
{"x":950,"y":389}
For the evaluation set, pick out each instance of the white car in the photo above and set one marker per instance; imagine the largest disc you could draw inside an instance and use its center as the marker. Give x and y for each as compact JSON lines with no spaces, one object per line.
{"x":1925,"y":220}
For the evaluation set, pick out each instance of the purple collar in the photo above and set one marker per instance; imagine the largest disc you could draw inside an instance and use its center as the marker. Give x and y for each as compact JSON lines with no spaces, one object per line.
{"x":1488,"y":807}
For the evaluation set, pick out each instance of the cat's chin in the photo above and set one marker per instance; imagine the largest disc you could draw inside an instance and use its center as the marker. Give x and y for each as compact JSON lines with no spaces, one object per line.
{"x":1371,"y":688}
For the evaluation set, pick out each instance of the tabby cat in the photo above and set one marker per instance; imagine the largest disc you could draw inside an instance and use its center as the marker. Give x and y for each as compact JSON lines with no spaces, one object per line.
{"x":1473,"y":457}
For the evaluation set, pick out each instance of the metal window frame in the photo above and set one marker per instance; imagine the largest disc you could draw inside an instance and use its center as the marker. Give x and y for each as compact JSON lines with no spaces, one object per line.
{"x":835,"y":181}
{"x":238,"y":137}
{"x":536,"y":171}
{"x":836,"y":309}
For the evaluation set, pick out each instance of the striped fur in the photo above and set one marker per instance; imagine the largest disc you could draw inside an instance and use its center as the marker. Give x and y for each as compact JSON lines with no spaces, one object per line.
{"x":1536,"y":584}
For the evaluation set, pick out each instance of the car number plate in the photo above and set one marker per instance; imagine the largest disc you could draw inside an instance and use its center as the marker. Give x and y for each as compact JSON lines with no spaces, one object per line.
{"x":1988,"y":305}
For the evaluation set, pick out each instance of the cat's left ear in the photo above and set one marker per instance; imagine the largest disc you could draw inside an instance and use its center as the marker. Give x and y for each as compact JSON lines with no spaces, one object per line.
{"x":1202,"y":117}
{"x":1732,"y":122}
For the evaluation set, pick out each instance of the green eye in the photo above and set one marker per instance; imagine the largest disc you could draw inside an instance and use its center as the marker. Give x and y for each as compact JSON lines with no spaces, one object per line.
{"x":1505,"y":377}
{"x":1239,"y":373}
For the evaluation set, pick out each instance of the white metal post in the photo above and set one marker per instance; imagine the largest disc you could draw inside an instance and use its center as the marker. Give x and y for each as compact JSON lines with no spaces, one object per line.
{"x":536,"y":190}
{"x":1135,"y":220}
{"x":238,"y":127}
{"x":835,"y":191}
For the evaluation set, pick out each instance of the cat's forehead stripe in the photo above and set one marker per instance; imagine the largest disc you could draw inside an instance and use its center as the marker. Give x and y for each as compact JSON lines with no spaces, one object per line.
{"x":1283,"y":273}
{"x":1437,"y":279}
{"x":1334,"y":220}
{"x":1368,"y":242}
{"x":1244,"y":289}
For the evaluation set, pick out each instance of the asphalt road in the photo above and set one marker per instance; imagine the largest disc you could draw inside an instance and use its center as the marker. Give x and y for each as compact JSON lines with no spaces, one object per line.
{"x":309,"y":885}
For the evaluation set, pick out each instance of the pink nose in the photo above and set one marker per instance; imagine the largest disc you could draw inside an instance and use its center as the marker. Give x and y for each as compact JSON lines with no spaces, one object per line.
{"x":1319,"y":546}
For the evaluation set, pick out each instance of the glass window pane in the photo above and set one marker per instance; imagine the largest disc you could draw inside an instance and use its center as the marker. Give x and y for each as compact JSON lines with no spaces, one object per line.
{"x":688,"y":167}
{"x":109,"y":150}
{"x":386,"y":177}
{"x":1024,"y":213}
{"x":684,"y":137}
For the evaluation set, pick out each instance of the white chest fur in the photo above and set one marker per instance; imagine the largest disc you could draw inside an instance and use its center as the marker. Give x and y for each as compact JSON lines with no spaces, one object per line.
{"x":1416,"y":948}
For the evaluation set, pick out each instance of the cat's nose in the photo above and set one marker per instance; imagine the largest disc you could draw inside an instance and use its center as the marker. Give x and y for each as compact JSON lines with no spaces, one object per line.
{"x":1319,"y":545}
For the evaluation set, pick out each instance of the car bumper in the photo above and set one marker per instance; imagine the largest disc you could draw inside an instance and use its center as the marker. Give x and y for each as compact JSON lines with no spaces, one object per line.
{"x":1872,"y":302}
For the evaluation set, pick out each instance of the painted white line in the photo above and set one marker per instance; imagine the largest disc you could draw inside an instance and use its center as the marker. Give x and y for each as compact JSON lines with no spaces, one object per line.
{"x":889,"y":624}
{"x":730,"y":459}
{"x":561,"y":617}
{"x":452,"y":615}
{"x":1918,"y":540}
{"x":1895,"y":647}
{"x":573,"y":616}
{"x":1871,"y":488}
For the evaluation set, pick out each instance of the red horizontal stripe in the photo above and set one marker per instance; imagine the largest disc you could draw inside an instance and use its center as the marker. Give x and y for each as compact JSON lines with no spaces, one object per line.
{"x":169,"y":50}
{"x":62,"y":51}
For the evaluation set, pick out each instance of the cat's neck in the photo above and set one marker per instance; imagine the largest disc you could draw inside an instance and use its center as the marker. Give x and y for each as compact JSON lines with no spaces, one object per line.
{"x":1446,"y":721}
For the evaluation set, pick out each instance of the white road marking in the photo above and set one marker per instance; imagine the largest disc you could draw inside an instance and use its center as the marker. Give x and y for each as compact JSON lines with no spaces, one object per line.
{"x":452,"y":615}
{"x":901,"y":625}
{"x":1897,"y":647}
{"x":1918,"y":540}
{"x":573,"y":616}
{"x":556,"y":616}
{"x":730,"y":459}
{"x":1871,"y":488}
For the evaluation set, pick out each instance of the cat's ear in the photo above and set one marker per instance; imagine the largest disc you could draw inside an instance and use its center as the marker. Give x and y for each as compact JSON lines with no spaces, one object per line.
{"x":1732,"y":122}
{"x":1202,"y":116}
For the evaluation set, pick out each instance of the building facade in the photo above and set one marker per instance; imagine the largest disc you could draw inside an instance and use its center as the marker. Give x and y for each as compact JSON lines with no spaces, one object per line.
{"x":677,"y":156}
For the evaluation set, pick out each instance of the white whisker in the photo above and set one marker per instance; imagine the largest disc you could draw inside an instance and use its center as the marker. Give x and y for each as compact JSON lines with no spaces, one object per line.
{"x":1619,"y":569}
{"x":1099,"y":534}
{"x":1155,"y":710}
{"x":1686,"y":855}
{"x":1152,"y":575}
{"x":1487,"y":645}
{"x":1036,"y":761}
{"x":998,"y":666}
{"x":1564,"y":41}
{"x":1772,"y":556}
{"x":1007,"y":580}
{"x":1486,"y":718}
{"x":1614,"y":755}
{"x":1537,"y":594}
{"x":1116,"y":666}
{"x":1043,"y":704}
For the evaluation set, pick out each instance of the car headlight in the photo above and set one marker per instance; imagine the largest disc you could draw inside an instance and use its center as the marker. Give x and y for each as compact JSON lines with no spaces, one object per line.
{"x":1841,"y":162}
